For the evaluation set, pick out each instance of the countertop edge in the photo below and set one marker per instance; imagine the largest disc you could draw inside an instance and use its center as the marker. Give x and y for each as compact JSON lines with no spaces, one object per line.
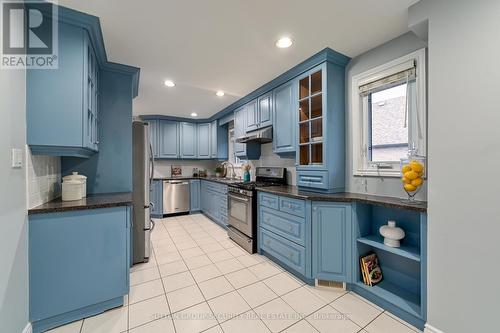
{"x":96,"y":202}
{"x":349,"y":197}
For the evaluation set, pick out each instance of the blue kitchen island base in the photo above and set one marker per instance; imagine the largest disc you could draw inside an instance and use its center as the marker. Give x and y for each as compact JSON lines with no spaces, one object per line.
{"x":65,"y":318}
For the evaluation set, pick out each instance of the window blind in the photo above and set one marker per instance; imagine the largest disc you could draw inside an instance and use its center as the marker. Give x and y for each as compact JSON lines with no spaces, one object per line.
{"x":403,"y":73}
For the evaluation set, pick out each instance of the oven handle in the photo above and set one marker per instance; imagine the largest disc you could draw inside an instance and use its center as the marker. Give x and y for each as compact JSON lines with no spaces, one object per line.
{"x":238,"y":198}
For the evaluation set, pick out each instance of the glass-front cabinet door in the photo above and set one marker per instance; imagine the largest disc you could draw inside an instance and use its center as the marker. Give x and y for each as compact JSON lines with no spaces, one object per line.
{"x":311,"y":113}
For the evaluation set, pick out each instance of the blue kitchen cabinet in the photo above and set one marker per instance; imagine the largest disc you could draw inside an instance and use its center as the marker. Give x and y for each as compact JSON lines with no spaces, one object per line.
{"x":265,"y":110}
{"x":320,"y":152}
{"x":194,"y":195}
{"x":156,"y":198}
{"x":284,"y":232}
{"x":188,"y":140}
{"x":214,"y":142}
{"x":153,"y":136}
{"x":245,"y":151}
{"x":63,"y":119}
{"x":168,"y":137}
{"x":252,"y":116}
{"x":78,"y":264}
{"x":214,"y":201}
{"x":332,"y":241}
{"x":203,"y":140}
{"x":284,"y":119}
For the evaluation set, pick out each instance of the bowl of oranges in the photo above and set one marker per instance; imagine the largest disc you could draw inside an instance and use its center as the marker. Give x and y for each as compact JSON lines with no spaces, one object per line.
{"x":412,"y":174}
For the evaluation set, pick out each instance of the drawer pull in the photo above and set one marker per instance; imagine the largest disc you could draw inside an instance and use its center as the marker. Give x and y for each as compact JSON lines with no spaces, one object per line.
{"x":267,"y":242}
{"x":290,"y":255}
{"x":290,"y":228}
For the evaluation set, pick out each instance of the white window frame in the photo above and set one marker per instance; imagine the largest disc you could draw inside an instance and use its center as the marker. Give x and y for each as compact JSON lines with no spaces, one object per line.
{"x":362,"y":166}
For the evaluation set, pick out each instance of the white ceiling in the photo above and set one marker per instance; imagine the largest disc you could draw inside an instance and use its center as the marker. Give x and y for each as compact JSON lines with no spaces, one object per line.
{"x":207,"y":45}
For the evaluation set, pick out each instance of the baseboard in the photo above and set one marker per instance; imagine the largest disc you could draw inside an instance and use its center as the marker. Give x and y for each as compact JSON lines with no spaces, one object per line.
{"x":28,"y":328}
{"x":431,"y":329}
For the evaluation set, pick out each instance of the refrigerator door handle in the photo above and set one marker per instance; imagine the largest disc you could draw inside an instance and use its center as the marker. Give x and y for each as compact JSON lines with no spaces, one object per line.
{"x":152,"y":226}
{"x":152,"y":159}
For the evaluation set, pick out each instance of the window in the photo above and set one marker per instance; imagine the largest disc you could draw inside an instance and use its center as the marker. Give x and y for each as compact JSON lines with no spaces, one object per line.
{"x":389,"y":117}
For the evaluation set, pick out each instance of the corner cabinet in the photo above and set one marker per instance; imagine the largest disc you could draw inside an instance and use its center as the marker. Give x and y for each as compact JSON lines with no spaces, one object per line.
{"x":321,"y":129}
{"x":168,"y":139}
{"x":284,"y":118}
{"x":194,"y":195}
{"x":63,"y":119}
{"x":332,"y":241}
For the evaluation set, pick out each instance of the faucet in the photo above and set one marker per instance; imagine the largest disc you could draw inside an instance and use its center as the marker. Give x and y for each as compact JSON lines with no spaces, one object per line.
{"x":233,"y":174}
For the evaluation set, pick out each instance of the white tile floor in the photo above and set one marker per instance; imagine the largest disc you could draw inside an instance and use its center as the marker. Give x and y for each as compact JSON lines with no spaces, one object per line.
{"x":200,"y":281}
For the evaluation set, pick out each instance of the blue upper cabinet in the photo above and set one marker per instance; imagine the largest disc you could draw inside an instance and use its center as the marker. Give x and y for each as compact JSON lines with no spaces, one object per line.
{"x":284,"y":119}
{"x":213,"y":139}
{"x":203,"y":138}
{"x":252,"y":116}
{"x":168,"y":136}
{"x":62,"y":104}
{"x":321,"y":128}
{"x":188,"y":140}
{"x":265,"y":110}
{"x":332,"y":241}
{"x":239,"y":130}
{"x":153,"y":136}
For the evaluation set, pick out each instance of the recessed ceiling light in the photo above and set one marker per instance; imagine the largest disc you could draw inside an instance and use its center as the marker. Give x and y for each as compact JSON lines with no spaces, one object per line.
{"x":169,"y":83}
{"x":194,"y":114}
{"x":220,"y":93}
{"x":284,"y":42}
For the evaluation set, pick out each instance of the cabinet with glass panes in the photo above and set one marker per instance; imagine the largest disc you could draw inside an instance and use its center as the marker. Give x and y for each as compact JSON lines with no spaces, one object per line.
{"x":321,"y":128}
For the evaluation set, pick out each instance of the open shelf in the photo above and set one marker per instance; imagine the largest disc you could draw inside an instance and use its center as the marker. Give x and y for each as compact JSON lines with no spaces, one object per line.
{"x":409,"y":252}
{"x":396,"y":295}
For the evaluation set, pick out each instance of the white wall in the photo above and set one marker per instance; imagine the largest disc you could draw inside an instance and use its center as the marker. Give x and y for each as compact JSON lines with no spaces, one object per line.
{"x":380,"y":55}
{"x":13,"y":216}
{"x":464,"y":159}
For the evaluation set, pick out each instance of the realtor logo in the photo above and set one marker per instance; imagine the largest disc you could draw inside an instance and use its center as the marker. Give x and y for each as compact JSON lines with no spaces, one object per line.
{"x":29,"y":34}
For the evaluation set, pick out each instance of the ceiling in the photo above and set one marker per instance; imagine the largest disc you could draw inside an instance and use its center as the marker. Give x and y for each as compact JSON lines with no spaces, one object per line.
{"x":210,"y":45}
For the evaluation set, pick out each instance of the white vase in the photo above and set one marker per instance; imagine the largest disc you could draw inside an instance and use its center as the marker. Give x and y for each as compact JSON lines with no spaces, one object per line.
{"x":392,"y":234}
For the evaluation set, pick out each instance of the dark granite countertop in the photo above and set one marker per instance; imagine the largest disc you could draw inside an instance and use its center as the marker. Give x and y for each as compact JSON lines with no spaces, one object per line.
{"x":92,"y":201}
{"x":294,"y":192}
{"x":225,"y":181}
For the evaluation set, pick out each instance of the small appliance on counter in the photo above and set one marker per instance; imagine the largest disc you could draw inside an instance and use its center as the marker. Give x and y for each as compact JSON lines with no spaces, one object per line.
{"x":74,"y":187}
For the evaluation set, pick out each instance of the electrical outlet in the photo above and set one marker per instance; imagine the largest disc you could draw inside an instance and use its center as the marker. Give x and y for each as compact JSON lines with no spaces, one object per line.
{"x":17,"y":158}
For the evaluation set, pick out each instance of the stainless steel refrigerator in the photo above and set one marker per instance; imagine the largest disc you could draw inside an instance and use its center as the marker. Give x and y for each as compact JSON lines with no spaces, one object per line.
{"x":142,"y":172}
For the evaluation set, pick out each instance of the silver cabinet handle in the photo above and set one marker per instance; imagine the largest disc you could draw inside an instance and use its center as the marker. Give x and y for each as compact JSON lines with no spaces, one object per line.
{"x":290,"y":228}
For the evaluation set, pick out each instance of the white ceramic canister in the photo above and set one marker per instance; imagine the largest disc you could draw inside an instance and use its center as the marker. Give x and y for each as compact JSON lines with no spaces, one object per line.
{"x":71,"y":190}
{"x":392,"y":234}
{"x":75,"y":176}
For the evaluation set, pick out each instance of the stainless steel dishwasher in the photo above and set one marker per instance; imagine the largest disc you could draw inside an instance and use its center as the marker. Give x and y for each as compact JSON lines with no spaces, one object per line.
{"x":175,"y":196}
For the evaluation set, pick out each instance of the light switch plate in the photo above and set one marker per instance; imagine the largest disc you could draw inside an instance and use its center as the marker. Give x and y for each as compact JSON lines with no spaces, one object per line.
{"x":17,"y":158}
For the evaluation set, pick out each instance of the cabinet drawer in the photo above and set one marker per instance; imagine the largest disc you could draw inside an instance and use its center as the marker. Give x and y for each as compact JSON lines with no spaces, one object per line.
{"x":269,"y":200}
{"x":316,"y":179}
{"x":292,"y":206}
{"x":285,"y":225}
{"x":289,"y":253}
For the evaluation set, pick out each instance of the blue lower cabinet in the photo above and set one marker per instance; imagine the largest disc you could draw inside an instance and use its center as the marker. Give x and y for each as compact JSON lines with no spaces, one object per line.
{"x":156,"y":198}
{"x":291,"y":254}
{"x":194,"y":195}
{"x":283,"y":236}
{"x":78,"y":264}
{"x":332,"y":241}
{"x":213,"y":197}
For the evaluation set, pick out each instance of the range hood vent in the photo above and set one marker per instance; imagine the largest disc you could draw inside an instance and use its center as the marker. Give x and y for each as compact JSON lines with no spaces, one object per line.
{"x":264,"y":135}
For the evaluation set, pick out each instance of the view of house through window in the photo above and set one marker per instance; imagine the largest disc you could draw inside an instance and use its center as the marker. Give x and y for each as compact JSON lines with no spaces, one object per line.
{"x":389,"y":124}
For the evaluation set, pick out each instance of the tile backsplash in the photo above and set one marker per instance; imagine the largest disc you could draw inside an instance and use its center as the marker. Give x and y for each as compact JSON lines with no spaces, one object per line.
{"x":43,"y":176}
{"x":163,"y":167}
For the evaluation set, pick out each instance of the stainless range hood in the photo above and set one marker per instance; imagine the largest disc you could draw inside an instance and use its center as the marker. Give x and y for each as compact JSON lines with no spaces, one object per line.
{"x":264,"y":135}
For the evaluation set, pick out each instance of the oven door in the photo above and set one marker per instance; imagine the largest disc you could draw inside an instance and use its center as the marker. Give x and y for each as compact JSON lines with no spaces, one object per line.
{"x":240,"y":213}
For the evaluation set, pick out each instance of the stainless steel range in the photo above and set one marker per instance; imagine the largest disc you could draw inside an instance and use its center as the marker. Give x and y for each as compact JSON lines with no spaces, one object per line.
{"x":242,"y":206}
